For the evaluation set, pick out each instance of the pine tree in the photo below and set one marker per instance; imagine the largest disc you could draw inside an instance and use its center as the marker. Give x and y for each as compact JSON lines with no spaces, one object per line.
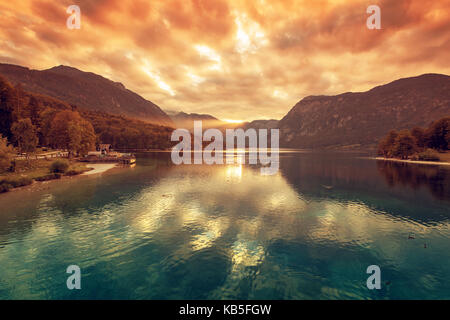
{"x":7,"y":109}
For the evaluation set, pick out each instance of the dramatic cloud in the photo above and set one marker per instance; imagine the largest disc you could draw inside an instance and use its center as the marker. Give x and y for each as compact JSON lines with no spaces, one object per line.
{"x":237,"y":59}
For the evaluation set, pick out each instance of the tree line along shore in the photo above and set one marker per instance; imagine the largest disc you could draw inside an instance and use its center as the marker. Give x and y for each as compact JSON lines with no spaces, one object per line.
{"x":418,"y":144}
{"x":33,"y":123}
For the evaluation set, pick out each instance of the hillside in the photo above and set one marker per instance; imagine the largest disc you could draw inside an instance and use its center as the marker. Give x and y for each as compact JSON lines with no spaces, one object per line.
{"x":186,"y":120}
{"x":360,"y":119}
{"x":119,"y":131}
{"x":261,"y":124}
{"x":86,"y":90}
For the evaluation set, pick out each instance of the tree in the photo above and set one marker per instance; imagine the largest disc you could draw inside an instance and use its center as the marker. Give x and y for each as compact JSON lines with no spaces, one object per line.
{"x":437,"y":134}
{"x":24,"y":133}
{"x":88,"y":138}
{"x":46,"y":119}
{"x":404,"y":145}
{"x":18,"y":103}
{"x":447,"y":138}
{"x":74,"y":136}
{"x":7,"y":108}
{"x":419,"y":135}
{"x":34,"y":110}
{"x":387,"y":143}
{"x":5,"y":154}
{"x":61,"y":133}
{"x":70,"y":131}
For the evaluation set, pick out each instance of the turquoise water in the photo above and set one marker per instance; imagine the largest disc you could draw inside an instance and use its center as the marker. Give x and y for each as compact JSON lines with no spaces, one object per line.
{"x":159,"y":231}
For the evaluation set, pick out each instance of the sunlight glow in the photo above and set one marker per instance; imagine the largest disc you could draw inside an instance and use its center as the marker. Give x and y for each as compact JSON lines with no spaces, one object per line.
{"x":234,"y":172}
{"x":249,"y":35}
{"x":280,"y":94}
{"x":211,"y":55}
{"x":159,"y":81}
{"x":246,"y":254}
{"x":196,"y":80}
{"x":233,"y":121}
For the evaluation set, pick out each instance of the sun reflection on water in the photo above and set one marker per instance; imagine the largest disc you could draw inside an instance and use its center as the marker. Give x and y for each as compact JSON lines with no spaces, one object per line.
{"x":227,"y":227}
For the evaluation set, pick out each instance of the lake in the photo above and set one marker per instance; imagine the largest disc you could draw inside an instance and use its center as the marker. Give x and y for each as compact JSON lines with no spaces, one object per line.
{"x":160,"y":231}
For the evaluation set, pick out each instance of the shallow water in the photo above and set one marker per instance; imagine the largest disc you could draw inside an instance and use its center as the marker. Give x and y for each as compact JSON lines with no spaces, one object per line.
{"x":159,"y":231}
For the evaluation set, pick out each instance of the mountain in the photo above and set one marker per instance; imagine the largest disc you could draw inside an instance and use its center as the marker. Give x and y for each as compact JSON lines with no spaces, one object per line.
{"x":86,"y":90}
{"x":208,"y":121}
{"x":180,"y":118}
{"x":119,"y":131}
{"x":186,"y":120}
{"x":359,"y":120}
{"x":261,"y":124}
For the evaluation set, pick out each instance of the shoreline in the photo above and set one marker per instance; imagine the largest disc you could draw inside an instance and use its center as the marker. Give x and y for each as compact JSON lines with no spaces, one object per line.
{"x":96,"y":169}
{"x":436,"y":163}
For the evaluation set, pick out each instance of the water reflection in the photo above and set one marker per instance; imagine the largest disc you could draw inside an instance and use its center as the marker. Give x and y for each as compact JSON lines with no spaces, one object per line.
{"x":435,"y":178}
{"x":159,"y":231}
{"x":344,"y":177}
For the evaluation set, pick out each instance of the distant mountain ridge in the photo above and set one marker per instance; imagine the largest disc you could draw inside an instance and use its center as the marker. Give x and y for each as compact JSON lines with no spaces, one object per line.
{"x":345,"y":121}
{"x":183,"y":116}
{"x":86,"y":90}
{"x":261,"y":124}
{"x":360,"y":119}
{"x":186,"y":120}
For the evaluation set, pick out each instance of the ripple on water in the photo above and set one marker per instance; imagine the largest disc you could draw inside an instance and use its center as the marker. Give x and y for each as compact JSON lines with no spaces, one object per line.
{"x":216,"y":232}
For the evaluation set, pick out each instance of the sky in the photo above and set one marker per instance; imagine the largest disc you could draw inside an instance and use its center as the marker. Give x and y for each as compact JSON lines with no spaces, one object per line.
{"x":236,"y":60}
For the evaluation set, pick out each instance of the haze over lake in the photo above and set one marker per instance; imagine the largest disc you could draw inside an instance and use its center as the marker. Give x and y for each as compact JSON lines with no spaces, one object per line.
{"x":160,"y":231}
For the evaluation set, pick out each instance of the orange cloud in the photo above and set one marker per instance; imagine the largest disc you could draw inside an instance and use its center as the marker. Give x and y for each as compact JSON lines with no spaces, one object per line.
{"x":236,"y":59}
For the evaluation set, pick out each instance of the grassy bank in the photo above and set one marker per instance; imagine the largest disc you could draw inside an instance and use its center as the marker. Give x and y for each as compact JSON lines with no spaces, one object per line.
{"x":26,"y":172}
